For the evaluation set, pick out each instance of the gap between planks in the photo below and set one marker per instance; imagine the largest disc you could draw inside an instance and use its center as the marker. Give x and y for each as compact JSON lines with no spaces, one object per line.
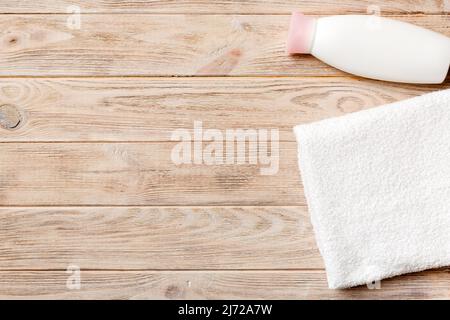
{"x":169,"y":270}
{"x":237,"y":13}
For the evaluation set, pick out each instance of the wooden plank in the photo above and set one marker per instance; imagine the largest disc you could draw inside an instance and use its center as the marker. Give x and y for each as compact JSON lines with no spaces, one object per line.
{"x":171,"y":238}
{"x":131,"y":45}
{"x":214,"y":285}
{"x":150,"y":109}
{"x":226,"y":6}
{"x":139,"y":174}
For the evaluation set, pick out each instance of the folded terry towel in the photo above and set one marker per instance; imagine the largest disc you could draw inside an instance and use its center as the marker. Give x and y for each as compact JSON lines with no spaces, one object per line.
{"x":377,"y":183}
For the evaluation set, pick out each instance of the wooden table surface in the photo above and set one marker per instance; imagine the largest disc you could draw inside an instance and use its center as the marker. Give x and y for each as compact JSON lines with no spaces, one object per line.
{"x":86,"y":178}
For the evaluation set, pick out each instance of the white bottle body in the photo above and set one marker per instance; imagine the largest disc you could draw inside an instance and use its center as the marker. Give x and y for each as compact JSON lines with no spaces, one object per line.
{"x":381,"y":48}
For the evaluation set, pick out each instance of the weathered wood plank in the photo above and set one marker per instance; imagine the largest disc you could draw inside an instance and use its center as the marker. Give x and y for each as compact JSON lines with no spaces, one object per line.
{"x":214,"y":285}
{"x":160,"y":45}
{"x":139,"y":174}
{"x":150,"y":109}
{"x":226,"y":6}
{"x":157,"y":238}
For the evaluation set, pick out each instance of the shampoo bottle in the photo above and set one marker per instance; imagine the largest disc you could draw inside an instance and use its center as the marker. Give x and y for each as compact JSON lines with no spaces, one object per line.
{"x":373,"y":47}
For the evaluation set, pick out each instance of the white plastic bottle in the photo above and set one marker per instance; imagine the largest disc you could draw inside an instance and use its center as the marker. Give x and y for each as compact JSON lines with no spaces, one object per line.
{"x":373,"y":47}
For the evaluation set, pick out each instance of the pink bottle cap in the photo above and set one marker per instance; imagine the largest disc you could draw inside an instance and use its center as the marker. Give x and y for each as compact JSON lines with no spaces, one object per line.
{"x":301,"y":33}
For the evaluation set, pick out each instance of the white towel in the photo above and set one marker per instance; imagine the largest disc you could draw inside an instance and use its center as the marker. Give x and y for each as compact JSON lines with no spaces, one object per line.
{"x":377,"y":184}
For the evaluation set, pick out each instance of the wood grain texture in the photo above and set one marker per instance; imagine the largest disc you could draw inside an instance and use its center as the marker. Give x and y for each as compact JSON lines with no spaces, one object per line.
{"x":214,"y":285}
{"x":170,"y":238}
{"x":86,"y":176}
{"x":137,"y":174}
{"x":150,"y":109}
{"x":160,"y":45}
{"x":226,"y":6}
